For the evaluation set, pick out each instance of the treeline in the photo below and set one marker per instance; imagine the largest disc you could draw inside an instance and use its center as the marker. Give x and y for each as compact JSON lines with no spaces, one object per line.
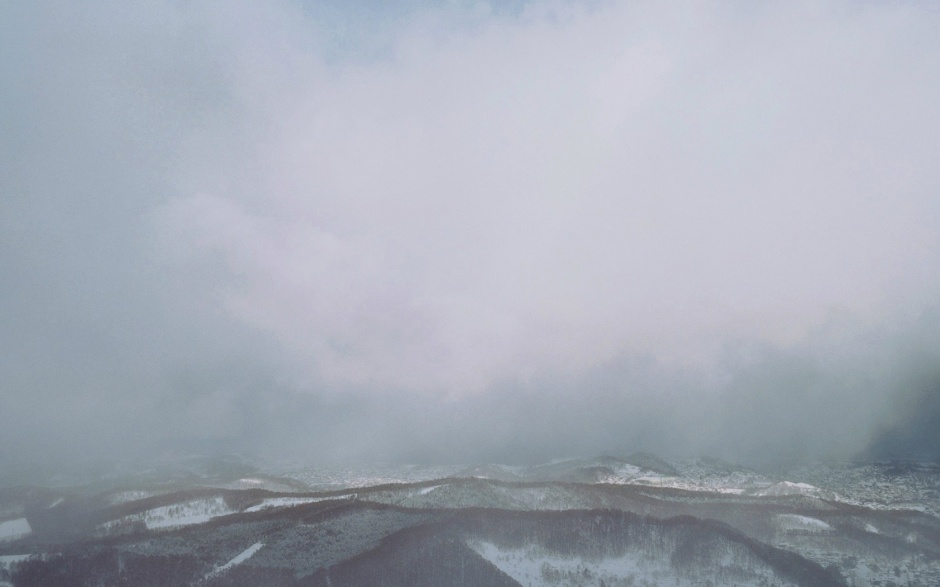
{"x":107,"y":567}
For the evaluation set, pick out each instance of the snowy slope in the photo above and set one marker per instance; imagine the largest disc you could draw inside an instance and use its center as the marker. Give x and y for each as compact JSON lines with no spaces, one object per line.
{"x":14,"y":529}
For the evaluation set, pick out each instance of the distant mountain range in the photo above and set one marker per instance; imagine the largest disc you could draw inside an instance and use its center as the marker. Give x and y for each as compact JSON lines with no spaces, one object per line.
{"x":611,"y":521}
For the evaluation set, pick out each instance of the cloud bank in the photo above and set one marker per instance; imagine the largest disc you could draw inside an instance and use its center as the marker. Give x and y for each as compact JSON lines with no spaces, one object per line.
{"x":458,"y":231}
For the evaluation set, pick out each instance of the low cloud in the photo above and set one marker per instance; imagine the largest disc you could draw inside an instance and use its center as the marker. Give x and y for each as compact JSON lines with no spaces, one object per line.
{"x":491,"y":231}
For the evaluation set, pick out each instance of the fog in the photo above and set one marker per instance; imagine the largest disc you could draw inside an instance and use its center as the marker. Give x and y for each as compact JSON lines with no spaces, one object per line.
{"x":456,"y":231}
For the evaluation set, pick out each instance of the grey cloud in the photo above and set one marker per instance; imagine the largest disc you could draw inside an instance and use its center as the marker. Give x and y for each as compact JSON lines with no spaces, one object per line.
{"x":455,"y":232}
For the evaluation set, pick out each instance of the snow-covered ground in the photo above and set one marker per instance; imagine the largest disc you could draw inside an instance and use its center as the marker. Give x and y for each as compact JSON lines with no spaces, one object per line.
{"x":282,"y":502}
{"x":280,"y":485}
{"x":872,"y":485}
{"x":14,"y":529}
{"x":7,"y":562}
{"x":533,"y":565}
{"x":129,"y":496}
{"x":584,"y":484}
{"x":791,"y":522}
{"x":197,"y":511}
{"x":881,"y":486}
{"x":785,"y":488}
{"x":242,"y":557}
{"x":728,"y":486}
{"x":351,"y":478}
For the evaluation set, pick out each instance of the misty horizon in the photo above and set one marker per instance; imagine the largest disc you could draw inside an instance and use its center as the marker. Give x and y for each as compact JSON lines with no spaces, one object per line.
{"x":461,"y":232}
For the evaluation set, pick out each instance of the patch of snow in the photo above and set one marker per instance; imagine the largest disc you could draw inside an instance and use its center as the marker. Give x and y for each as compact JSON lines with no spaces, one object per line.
{"x":283,"y":502}
{"x":650,"y":480}
{"x":128,"y":496}
{"x":730,"y":485}
{"x":56,"y":502}
{"x":245,"y":555}
{"x":14,"y":529}
{"x":10,"y":560}
{"x":788,"y":488}
{"x":805,"y":523}
{"x":198,"y":511}
{"x":872,"y":529}
{"x":428,"y":490}
{"x":628,"y":471}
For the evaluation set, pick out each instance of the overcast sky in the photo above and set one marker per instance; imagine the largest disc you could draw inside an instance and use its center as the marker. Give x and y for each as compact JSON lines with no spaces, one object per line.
{"x":459,"y":231}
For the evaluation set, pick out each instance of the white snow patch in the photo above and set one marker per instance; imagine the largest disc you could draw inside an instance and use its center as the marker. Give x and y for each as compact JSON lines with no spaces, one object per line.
{"x":799,"y":486}
{"x":14,"y":529}
{"x":283,"y":502}
{"x":805,"y":523}
{"x":872,"y":529}
{"x":197,"y":511}
{"x":245,"y":555}
{"x":428,"y":490}
{"x":784,"y":488}
{"x":56,"y":502}
{"x":650,"y":480}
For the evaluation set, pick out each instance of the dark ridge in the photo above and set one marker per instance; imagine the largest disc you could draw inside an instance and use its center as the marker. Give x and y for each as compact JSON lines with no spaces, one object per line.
{"x":916,"y":436}
{"x":429,"y":555}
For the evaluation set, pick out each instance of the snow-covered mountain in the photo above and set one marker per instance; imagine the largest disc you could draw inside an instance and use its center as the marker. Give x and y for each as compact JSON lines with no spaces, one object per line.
{"x":597,"y":521}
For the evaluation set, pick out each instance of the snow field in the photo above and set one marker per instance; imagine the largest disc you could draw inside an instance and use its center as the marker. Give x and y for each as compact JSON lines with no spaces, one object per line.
{"x":185,"y":514}
{"x":14,"y":529}
{"x":197,"y":511}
